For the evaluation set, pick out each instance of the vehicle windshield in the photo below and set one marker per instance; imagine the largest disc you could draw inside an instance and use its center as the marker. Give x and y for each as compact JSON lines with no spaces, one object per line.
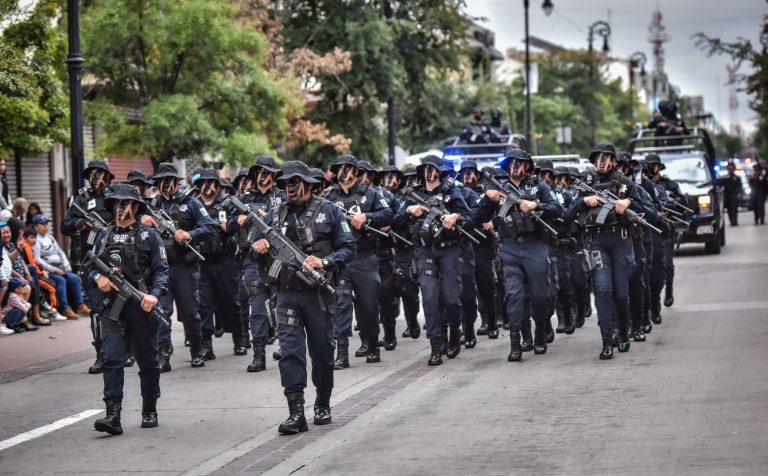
{"x":686,"y":169}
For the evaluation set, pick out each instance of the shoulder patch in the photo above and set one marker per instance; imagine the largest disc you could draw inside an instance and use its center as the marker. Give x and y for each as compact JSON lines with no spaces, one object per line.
{"x":345,"y":226}
{"x":144,"y":235}
{"x":384,"y":203}
{"x":321,"y":218}
{"x":203,"y":211}
{"x":363,"y":200}
{"x":162,"y":252}
{"x":183,"y":208}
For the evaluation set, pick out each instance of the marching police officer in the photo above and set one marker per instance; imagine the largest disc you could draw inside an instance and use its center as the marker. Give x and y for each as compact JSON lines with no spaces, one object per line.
{"x":560,"y":262}
{"x":758,"y":182}
{"x":437,"y":258}
{"x":365,"y":206}
{"x":485,"y":253}
{"x":305,"y":314}
{"x":468,"y":282}
{"x":262,"y":197}
{"x":193,"y":224}
{"x":91,"y":199}
{"x":139,"y":179}
{"x":138,"y":251}
{"x":219,"y":272}
{"x":524,"y":250}
{"x":565,"y":251}
{"x":609,"y":239}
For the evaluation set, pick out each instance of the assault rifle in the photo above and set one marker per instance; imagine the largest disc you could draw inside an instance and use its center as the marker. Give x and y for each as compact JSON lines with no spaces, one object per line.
{"x":436,"y":209}
{"x":125,"y":290}
{"x":513,"y":198}
{"x":609,"y":203}
{"x":282,"y":250}
{"x":97,"y":223}
{"x":166,"y":226}
{"x":354,"y":211}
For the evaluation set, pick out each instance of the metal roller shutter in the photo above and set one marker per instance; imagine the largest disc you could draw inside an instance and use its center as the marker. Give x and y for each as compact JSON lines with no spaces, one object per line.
{"x":35,"y":180}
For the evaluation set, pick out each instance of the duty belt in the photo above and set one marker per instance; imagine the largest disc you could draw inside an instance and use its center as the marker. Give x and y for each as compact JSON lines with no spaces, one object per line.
{"x":602,"y":230}
{"x":527,"y":238}
{"x":446,"y":243}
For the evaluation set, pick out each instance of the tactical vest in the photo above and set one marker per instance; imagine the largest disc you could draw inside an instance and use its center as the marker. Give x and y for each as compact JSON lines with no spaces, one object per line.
{"x":426,"y":227}
{"x":183,"y":221}
{"x":516,"y":225}
{"x":257,"y":203}
{"x":565,"y":229}
{"x":90,"y":202}
{"x":122,"y":249}
{"x":220,"y":243}
{"x":354,"y":203}
{"x":614,"y":185}
{"x":300,"y":231}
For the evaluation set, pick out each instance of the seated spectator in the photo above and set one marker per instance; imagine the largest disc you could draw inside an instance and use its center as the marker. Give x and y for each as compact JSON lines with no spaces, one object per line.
{"x":48,"y":302}
{"x":31,"y":291}
{"x":19,"y":208}
{"x":15,"y":308}
{"x":52,"y":258}
{"x":32,"y":211}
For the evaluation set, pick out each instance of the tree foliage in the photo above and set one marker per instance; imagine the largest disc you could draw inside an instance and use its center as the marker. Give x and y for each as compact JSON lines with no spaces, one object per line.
{"x":754,"y":83}
{"x":33,"y":105}
{"x":182,"y":79}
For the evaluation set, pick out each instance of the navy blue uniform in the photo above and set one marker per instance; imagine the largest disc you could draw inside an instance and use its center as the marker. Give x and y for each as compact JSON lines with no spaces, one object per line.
{"x":305,"y":314}
{"x":642,"y":242}
{"x":360,"y":278}
{"x":254,"y":291}
{"x":438,"y":262}
{"x":524,"y":253}
{"x":407,"y":286}
{"x":759,"y":186}
{"x":612,"y":242}
{"x":192,"y":217}
{"x":468,"y":283}
{"x":733,"y":189}
{"x":139,"y":251}
{"x":218,"y":279}
{"x":389,"y":305}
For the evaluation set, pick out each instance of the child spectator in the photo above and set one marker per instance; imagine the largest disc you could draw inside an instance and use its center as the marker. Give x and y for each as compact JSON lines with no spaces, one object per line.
{"x":31,"y":291}
{"x":32,"y":211}
{"x":40,"y":276}
{"x":15,"y":308}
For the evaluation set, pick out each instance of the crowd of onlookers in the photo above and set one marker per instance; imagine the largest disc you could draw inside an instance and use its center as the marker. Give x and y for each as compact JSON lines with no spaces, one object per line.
{"x":37,"y":284}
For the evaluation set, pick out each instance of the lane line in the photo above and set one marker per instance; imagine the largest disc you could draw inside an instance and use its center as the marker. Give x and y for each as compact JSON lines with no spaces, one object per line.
{"x":43,"y":430}
{"x":722,"y":306}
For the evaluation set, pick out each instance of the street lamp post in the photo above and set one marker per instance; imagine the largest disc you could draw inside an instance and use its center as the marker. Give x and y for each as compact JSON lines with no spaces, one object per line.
{"x":547,"y":6}
{"x":75,"y":69}
{"x":636,"y":60}
{"x":598,"y":28}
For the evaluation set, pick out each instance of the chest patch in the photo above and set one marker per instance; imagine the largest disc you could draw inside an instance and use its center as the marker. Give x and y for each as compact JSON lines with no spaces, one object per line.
{"x":320,"y":218}
{"x":184,"y":207}
{"x":91,"y":204}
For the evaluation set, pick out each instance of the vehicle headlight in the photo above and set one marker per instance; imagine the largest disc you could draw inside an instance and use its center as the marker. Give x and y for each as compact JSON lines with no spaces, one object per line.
{"x":705,"y":204}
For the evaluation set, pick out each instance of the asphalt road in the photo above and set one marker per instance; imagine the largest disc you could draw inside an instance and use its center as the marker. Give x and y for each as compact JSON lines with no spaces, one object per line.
{"x":692,"y":400}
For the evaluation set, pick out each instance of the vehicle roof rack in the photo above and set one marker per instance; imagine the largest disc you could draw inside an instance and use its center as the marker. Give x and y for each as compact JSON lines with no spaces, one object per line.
{"x":696,"y":134}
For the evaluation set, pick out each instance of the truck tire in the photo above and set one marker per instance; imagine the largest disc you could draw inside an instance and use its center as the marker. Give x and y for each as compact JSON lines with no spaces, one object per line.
{"x":713,"y":246}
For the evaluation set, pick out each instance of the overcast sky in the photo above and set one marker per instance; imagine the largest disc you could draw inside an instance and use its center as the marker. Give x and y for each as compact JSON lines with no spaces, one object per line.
{"x":686,"y":66}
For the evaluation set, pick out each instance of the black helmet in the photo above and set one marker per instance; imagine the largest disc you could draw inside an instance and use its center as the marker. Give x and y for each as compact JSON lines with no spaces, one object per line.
{"x":206,"y":174}
{"x":295,"y":168}
{"x":514,"y":153}
{"x":651,"y":159}
{"x":97,"y":164}
{"x":495,"y":113}
{"x":603,"y":147}
{"x":343,"y":159}
{"x":561,"y":170}
{"x":365,"y":165}
{"x":545,"y":165}
{"x":468,"y":164}
{"x":124,"y":191}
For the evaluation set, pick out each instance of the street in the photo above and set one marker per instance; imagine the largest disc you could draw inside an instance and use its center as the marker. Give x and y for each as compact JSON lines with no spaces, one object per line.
{"x":689,"y":401}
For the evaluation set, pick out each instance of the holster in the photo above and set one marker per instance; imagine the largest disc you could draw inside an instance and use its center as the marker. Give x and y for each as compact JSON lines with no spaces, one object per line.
{"x":289,"y":317}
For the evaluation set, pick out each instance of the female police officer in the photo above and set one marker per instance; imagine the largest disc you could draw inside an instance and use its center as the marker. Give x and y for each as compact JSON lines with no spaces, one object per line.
{"x":138,"y":251}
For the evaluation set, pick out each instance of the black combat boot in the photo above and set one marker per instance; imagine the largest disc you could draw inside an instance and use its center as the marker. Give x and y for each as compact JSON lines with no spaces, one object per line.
{"x":374,"y":354}
{"x":342,"y":354}
{"x":483,"y":329}
{"x":540,"y":339}
{"x":110,"y":423}
{"x":436,"y":357}
{"x":259,"y":362}
{"x":580,"y":312}
{"x":493,"y":328}
{"x":98,"y":366}
{"x":323,"y":408}
{"x":272,"y":335}
{"x":165,"y":358}
{"x":527,"y":345}
{"x":638,"y":335}
{"x":207,"y":350}
{"x":130,"y":358}
{"x":550,"y":332}
{"x":196,"y":351}
{"x":570,"y":326}
{"x":240,"y":344}
{"x":296,"y":423}
{"x":669,"y":297}
{"x":607,"y":352}
{"x":390,"y":337}
{"x":623,"y":340}
{"x":515,"y":352}
{"x":363,"y":350}
{"x":277,"y":355}
{"x":414,"y":329}
{"x":615,"y":337}
{"x":588,"y":310}
{"x":470,"y":341}
{"x":149,"y":413}
{"x":454,"y":342}
{"x":656,"y":312}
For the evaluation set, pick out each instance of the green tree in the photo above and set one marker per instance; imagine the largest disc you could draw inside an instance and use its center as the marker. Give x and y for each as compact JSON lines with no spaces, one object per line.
{"x":33,"y":105}
{"x":182,"y":79}
{"x":395,"y":48}
{"x":754,"y":83}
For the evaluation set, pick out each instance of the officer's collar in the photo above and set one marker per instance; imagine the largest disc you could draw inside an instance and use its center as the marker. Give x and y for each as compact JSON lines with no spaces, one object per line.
{"x":352,"y":190}
{"x":128,"y":228}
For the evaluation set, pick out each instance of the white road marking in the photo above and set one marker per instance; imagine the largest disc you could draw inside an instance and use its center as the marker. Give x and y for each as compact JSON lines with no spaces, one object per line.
{"x":38,"y":432}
